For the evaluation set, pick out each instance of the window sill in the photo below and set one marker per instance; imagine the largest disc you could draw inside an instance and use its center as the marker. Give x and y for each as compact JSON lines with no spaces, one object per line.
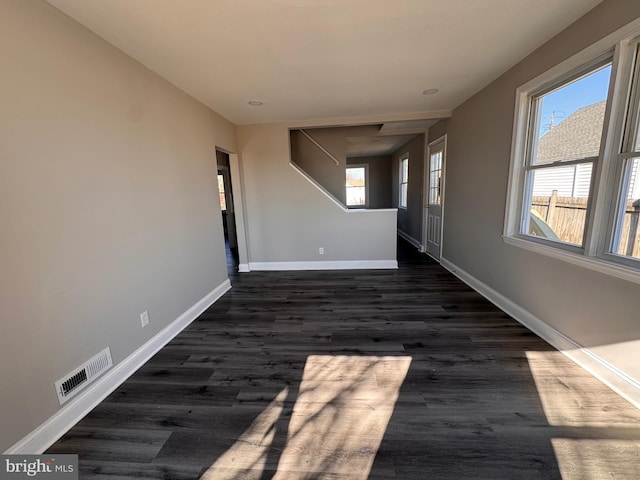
{"x":367,"y":210}
{"x":615,"y":270}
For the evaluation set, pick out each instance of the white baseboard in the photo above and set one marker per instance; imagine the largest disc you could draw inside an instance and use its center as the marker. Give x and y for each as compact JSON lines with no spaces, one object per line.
{"x":411,"y":240}
{"x":328,"y":265}
{"x":243,"y":268}
{"x":618,"y":381}
{"x":51,"y":430}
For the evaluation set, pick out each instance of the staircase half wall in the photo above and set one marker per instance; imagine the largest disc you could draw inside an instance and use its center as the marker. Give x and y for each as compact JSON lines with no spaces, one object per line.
{"x":294,"y":223}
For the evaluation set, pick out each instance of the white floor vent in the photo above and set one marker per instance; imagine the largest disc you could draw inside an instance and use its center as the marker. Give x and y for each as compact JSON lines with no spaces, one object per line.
{"x":82,"y":376}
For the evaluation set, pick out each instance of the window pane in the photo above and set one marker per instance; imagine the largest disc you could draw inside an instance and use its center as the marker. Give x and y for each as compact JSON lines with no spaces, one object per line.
{"x":223,"y":202}
{"x":570,"y":119}
{"x":628,"y":239}
{"x":355,"y":196}
{"x":404,"y":180}
{"x":636,"y":143}
{"x":435,"y":174}
{"x":558,"y":203}
{"x":356,"y":188}
{"x":355,"y":177}
{"x":632,"y":140}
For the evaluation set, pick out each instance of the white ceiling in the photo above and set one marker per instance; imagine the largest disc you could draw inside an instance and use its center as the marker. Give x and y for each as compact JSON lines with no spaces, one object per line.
{"x":316,"y":59}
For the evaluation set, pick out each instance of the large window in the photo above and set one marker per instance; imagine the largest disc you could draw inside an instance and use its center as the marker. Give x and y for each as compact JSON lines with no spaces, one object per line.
{"x":404,"y":180}
{"x":575,"y":183}
{"x":565,"y":131}
{"x":356,"y":186}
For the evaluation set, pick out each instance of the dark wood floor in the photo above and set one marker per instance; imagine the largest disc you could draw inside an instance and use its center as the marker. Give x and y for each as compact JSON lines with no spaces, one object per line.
{"x":403,"y":374}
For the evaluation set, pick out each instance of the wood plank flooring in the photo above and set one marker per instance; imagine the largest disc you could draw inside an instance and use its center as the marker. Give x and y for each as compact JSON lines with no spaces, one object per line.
{"x":349,"y":375}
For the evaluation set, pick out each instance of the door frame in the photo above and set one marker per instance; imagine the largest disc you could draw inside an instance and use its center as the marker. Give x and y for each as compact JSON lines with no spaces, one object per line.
{"x":238,"y":204}
{"x":425,"y":193}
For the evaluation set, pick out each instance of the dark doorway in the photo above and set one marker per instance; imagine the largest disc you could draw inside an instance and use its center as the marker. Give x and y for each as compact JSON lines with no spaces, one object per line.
{"x":228,"y":211}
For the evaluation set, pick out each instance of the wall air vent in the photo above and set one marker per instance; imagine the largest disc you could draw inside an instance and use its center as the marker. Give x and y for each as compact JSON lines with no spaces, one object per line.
{"x":79,"y":378}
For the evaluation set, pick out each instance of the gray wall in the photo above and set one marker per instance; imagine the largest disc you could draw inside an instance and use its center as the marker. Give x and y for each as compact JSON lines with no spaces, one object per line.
{"x":595,"y":310}
{"x":108,"y":205}
{"x":437,"y":130}
{"x":380,"y":179}
{"x":410,"y":220}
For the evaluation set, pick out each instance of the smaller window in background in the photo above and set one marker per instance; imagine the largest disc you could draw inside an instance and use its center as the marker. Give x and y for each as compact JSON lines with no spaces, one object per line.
{"x":435,"y":178}
{"x":223,"y":201}
{"x":404,"y":181}
{"x":356,"y":186}
{"x":566,"y":124}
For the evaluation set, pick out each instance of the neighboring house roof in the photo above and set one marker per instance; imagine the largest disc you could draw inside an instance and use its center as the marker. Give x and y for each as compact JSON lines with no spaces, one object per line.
{"x":578,"y":136}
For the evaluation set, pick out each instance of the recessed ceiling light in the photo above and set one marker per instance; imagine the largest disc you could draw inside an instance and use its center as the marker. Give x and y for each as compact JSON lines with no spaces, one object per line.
{"x":256,"y":103}
{"x":430,"y":91}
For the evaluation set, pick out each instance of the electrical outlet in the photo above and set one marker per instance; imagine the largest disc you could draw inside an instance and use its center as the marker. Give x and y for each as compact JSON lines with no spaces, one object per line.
{"x":144,"y":319}
{"x":321,"y":250}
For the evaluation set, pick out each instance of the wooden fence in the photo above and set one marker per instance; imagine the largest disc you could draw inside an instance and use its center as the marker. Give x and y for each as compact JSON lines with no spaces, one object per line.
{"x":567,"y":215}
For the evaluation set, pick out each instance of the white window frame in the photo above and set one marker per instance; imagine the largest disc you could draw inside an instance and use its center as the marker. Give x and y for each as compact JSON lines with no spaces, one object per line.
{"x":621,"y":45}
{"x":366,"y":183}
{"x":403,"y":202}
{"x":530,"y":167}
